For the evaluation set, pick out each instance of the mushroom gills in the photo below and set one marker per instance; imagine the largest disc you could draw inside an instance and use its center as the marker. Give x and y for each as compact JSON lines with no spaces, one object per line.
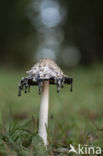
{"x":59,"y":83}
{"x":40,"y":84}
{"x":25,"y":83}
{"x":24,"y":86}
{"x":71,"y":88}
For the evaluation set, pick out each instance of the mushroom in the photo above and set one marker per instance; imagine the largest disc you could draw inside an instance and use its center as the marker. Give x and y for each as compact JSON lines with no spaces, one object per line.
{"x":42,"y":74}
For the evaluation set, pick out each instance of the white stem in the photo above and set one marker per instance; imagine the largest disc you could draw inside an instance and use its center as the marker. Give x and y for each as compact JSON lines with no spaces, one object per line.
{"x":43,"y":119}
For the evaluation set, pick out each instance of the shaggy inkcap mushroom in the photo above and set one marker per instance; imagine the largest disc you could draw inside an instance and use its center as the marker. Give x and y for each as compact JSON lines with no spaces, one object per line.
{"x":43,"y":73}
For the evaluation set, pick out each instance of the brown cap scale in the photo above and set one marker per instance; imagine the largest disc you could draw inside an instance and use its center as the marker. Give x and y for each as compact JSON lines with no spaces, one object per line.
{"x":43,"y":73}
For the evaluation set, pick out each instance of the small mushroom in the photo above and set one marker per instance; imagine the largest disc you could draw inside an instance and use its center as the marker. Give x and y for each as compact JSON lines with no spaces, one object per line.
{"x":43,"y":73}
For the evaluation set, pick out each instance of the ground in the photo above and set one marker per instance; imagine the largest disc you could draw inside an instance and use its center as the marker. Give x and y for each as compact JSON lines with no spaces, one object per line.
{"x":74,"y":118}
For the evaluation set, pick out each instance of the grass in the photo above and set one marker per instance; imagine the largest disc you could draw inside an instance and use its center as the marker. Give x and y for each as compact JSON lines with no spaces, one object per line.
{"x":74,"y":118}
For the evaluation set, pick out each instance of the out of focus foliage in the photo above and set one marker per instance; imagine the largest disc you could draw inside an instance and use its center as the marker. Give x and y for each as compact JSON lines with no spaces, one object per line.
{"x":83,"y":28}
{"x":16,"y":33}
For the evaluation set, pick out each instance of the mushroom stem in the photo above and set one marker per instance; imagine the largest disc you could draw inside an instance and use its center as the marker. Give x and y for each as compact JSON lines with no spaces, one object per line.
{"x":43,"y":118}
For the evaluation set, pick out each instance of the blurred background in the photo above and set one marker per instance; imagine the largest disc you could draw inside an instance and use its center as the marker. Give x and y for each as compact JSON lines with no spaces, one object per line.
{"x":69,"y":32}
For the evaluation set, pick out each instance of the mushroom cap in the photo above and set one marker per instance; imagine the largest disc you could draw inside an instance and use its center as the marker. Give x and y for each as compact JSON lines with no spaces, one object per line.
{"x":45,"y":69}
